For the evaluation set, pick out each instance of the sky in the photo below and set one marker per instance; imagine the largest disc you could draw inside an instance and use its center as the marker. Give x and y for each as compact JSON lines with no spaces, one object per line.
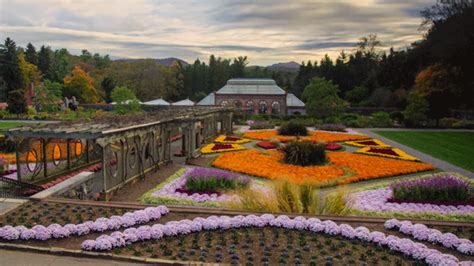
{"x":266,"y":31}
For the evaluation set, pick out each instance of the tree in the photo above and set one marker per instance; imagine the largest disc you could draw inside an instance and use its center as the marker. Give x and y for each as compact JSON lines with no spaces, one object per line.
{"x":357,"y":95}
{"x":60,"y":65}
{"x":31,"y":55}
{"x":44,"y":61}
{"x":368,"y":45}
{"x":48,"y":96}
{"x":30,"y":72}
{"x":321,"y":98}
{"x":10,"y":73}
{"x":107,"y":86}
{"x":125,"y":100}
{"x":80,"y":85}
{"x":238,"y":67}
{"x":417,"y":108}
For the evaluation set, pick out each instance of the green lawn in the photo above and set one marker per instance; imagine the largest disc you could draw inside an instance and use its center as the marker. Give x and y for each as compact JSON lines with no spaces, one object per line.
{"x":8,"y":124}
{"x":454,"y":147}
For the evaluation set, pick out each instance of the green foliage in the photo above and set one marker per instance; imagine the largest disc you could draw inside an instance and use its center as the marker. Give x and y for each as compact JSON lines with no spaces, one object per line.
{"x":125,"y":99}
{"x":259,"y":124}
{"x":357,"y":95}
{"x":44,"y":61}
{"x":321,"y":98}
{"x":381,"y":119}
{"x":31,"y":55}
{"x":304,"y":153}
{"x":448,"y":122}
{"x":48,"y":96}
{"x":16,"y":101}
{"x":416,"y":111}
{"x":214,"y":184}
{"x":11,"y":75}
{"x":292,"y":128}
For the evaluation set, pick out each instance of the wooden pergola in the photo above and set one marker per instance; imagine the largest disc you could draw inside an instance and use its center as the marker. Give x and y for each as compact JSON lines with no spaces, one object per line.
{"x":127,"y":147}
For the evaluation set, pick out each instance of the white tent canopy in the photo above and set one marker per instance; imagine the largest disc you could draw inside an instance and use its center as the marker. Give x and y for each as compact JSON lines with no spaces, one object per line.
{"x":159,"y":101}
{"x":185,"y":102}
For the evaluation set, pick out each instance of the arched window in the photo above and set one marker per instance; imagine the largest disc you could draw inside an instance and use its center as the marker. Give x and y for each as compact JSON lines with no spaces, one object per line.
{"x":276,"y":108}
{"x":237,"y":104}
{"x":262,"y":107}
{"x":224,"y":103}
{"x":250,"y":106}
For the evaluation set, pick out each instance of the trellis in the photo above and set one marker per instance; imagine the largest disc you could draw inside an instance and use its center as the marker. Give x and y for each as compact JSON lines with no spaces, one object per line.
{"x":126,"y":147}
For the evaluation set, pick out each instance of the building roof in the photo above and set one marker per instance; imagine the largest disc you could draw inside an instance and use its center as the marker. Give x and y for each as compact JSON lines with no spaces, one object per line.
{"x":157,"y":102}
{"x":293,"y":101}
{"x":210,"y":99}
{"x":251,"y":86}
{"x":185,"y":102}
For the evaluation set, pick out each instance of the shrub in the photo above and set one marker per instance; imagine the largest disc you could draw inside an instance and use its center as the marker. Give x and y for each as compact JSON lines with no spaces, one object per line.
{"x":331,"y":127}
{"x":292,"y":128}
{"x":448,"y":122}
{"x":469,"y":124}
{"x":212,"y":180}
{"x":381,"y":119}
{"x":397,"y":116}
{"x":259,"y":124}
{"x":304,"y":153}
{"x":440,"y":188}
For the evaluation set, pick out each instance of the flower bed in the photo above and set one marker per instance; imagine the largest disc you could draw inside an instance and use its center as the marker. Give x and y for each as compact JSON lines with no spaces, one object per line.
{"x":362,"y":167}
{"x":230,"y":139}
{"x":387,"y":152}
{"x":422,"y":232}
{"x":319,"y":136}
{"x":441,"y":189}
{"x":173,"y":191}
{"x":219,"y":147}
{"x":266,"y":145}
{"x":367,"y":143}
{"x":333,"y":146}
{"x":406,"y":246}
{"x":42,"y":233}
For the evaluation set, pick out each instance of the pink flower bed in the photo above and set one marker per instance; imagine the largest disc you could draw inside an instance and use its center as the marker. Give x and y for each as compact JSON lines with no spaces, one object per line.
{"x":378,"y":200}
{"x":422,"y":232}
{"x":406,"y":246}
{"x":43,"y":233}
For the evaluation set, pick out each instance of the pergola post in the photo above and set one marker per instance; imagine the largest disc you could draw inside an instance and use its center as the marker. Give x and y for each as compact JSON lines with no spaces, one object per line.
{"x":45,"y":159}
{"x":68,"y":153}
{"x":17,"y":156}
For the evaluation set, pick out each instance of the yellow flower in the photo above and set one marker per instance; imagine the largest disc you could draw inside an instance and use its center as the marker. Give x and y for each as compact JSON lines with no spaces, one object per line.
{"x":367,"y":143}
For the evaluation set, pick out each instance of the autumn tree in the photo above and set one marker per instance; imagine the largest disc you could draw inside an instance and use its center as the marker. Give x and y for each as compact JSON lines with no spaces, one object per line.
{"x":80,"y":85}
{"x":30,"y":72}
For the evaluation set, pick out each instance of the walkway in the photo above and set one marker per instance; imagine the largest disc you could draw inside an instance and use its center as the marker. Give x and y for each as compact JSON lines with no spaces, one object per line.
{"x":422,"y":156}
{"x":20,"y":258}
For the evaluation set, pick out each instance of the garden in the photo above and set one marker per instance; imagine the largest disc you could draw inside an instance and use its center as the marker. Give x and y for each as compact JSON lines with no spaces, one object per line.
{"x":252,"y":200}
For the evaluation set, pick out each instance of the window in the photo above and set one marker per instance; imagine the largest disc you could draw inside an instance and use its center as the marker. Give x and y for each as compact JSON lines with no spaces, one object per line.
{"x":237,"y":104}
{"x":276,"y":108}
{"x":224,"y":103}
{"x":250,"y":106}
{"x":262,"y":107}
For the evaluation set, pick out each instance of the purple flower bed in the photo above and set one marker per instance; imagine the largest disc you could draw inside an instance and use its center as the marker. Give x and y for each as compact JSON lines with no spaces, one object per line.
{"x":177,"y":188}
{"x":201,"y":179}
{"x":437,"y":189}
{"x":378,"y":200}
{"x":406,"y":246}
{"x":422,"y":232}
{"x":331,"y":127}
{"x":43,"y":233}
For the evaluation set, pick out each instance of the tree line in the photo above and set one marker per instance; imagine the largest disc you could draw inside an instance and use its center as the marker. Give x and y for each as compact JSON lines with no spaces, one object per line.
{"x":428,"y":78}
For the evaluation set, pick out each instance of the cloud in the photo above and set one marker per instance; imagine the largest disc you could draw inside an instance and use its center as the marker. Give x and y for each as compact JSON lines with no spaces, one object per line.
{"x":267,"y":31}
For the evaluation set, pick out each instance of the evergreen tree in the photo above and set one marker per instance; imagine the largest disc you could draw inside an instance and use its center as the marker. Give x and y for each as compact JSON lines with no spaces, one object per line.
{"x":10,"y":73}
{"x":44,"y":61}
{"x":31,"y":55}
{"x":107,"y":86}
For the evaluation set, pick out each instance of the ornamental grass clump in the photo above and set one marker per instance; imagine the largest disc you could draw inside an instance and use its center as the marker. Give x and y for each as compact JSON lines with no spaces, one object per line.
{"x":212,"y":180}
{"x":304,"y":153}
{"x":440,"y":188}
{"x":292,"y":128}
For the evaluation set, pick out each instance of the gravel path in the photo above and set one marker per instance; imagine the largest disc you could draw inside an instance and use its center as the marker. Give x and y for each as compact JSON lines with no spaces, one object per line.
{"x":446,"y":166}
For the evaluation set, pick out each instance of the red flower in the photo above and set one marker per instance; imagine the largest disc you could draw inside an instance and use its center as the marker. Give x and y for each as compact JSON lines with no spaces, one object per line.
{"x":266,"y":145}
{"x":221,"y":147}
{"x":333,"y":146}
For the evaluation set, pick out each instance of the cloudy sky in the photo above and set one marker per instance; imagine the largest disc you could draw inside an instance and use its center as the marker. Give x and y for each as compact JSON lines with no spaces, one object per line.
{"x":267,"y":31}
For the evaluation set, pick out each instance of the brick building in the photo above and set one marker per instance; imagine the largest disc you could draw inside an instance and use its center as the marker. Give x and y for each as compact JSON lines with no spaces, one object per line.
{"x":256,"y":96}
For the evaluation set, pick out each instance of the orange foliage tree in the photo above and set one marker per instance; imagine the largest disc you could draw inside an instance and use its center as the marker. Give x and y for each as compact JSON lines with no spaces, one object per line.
{"x":80,"y":85}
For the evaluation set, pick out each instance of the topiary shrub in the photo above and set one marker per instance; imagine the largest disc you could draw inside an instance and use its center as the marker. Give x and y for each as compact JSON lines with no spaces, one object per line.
{"x":292,"y":128}
{"x":304,"y":153}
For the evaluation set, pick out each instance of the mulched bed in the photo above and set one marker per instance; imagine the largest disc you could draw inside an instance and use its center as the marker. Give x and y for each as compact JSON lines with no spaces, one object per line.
{"x":322,"y":248}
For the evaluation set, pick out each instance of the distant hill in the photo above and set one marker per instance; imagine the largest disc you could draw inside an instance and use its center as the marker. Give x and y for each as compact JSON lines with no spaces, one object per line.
{"x":161,"y":61}
{"x":288,"y":66}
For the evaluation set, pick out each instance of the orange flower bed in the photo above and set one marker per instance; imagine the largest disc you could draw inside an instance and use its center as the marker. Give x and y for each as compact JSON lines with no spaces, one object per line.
{"x":54,"y":150}
{"x":255,"y":163}
{"x":371,"y":167}
{"x":318,"y":136}
{"x":361,"y":167}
